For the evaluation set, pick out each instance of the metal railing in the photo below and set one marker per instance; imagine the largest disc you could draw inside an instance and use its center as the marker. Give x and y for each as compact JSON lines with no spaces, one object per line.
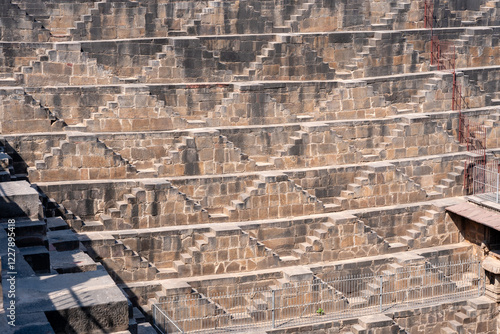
{"x":320,"y":300}
{"x":486,"y":183}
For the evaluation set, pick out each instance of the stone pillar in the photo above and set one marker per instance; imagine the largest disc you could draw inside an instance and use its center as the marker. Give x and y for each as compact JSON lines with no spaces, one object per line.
{"x":491,"y":266}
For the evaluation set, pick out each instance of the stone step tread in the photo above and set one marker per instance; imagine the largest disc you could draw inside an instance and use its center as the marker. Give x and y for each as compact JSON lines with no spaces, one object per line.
{"x":91,"y":226}
{"x":332,"y":207}
{"x":455,"y":325}
{"x":218,"y":215}
{"x":431,"y":213}
{"x":447,"y":330}
{"x":427,"y":220}
{"x":462,"y":317}
{"x":289,"y":258}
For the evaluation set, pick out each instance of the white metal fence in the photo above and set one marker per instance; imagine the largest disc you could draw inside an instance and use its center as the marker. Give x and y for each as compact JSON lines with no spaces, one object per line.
{"x":486,"y":183}
{"x":320,"y":300}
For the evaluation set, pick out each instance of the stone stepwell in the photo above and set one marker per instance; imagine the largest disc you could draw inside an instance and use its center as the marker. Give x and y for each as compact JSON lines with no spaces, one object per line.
{"x":160,"y":152}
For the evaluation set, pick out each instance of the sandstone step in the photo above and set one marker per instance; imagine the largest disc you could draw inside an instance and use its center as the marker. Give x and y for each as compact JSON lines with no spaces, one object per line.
{"x":369,"y":157}
{"x":218,"y":217}
{"x":420,"y":227}
{"x":166,"y":273}
{"x":186,"y":258}
{"x":456,"y":326}
{"x":407,"y":240}
{"x":63,"y":240}
{"x":470,"y":311}
{"x":432,"y":213}
{"x":343,"y":75}
{"x":358,"y":329}
{"x":413,"y":233}
{"x":331,"y":207}
{"x":394,"y":267}
{"x":320,"y":233}
{"x":347,"y":194}
{"x":290,"y":260}
{"x":341,"y":202}
{"x":312,"y":239}
{"x":447,"y":330}
{"x":462,"y":318}
{"x":106,"y":220}
{"x":361,"y":180}
{"x":72,"y":261}
{"x":425,"y":220}
{"x":8,"y":82}
{"x":305,"y":247}
{"x":56,"y":223}
{"x":434,"y":195}
{"x":375,"y":321}
{"x":76,"y":127}
{"x":397,"y":247}
{"x":92,"y":226}
{"x":263,"y":166}
{"x":358,"y":302}
{"x":354,"y":187}
{"x":459,"y":170}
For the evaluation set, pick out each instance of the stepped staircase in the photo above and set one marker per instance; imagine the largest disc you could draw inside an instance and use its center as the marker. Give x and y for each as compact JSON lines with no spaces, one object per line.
{"x":239,"y":209}
{"x":487,"y":15}
{"x":186,"y":153}
{"x":361,"y":66}
{"x":227,"y":113}
{"x":323,"y":237}
{"x":135,"y":109}
{"x":393,"y":19}
{"x":68,"y":57}
{"x":39,"y":118}
{"x":419,"y":232}
{"x":254,"y":70}
{"x":450,"y":186}
{"x":468,"y":314}
{"x":82,"y":28}
{"x":127,"y":213}
{"x":291,"y":23}
{"x":10,"y":10}
{"x":169,"y":65}
{"x":244,"y":202}
{"x":191,"y":260}
{"x":424,"y":98}
{"x":52,"y":161}
{"x":216,"y":11}
{"x":314,"y":243}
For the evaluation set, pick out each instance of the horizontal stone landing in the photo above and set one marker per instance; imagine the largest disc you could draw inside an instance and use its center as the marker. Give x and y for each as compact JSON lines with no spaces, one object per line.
{"x":18,"y":199}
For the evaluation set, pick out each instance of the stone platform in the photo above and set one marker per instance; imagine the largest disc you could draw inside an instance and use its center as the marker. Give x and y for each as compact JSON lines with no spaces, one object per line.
{"x":18,"y":199}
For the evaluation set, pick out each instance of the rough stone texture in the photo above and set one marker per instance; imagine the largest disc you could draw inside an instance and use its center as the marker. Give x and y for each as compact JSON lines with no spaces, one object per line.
{"x":19,"y":200}
{"x":93,"y":293}
{"x":205,"y":147}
